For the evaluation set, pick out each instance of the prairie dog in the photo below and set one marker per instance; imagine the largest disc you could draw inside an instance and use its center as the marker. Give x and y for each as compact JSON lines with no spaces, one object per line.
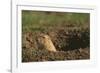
{"x":45,"y":42}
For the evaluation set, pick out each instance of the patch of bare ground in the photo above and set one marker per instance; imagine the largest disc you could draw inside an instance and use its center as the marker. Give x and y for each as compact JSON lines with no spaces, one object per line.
{"x":44,"y":55}
{"x":70,"y":44}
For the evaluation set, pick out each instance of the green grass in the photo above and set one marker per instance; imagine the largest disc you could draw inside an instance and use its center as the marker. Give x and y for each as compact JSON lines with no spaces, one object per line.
{"x":37,"y":19}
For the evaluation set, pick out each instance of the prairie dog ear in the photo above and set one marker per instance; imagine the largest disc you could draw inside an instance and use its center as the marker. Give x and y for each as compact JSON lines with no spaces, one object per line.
{"x":44,"y":36}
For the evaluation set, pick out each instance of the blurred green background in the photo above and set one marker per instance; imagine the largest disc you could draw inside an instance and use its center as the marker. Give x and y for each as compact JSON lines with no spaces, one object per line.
{"x":38,"y":20}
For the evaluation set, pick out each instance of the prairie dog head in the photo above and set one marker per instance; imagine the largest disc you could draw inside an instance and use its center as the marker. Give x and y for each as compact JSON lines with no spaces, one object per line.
{"x":44,"y":42}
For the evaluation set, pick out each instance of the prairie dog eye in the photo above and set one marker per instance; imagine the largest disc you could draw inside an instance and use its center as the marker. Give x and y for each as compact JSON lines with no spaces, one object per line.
{"x":43,"y":37}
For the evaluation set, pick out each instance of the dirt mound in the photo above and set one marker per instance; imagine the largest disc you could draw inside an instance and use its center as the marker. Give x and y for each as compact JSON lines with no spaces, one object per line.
{"x":72,"y":44}
{"x":36,"y":55}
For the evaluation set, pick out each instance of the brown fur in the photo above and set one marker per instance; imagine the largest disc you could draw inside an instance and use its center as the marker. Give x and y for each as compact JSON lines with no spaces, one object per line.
{"x":45,"y":42}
